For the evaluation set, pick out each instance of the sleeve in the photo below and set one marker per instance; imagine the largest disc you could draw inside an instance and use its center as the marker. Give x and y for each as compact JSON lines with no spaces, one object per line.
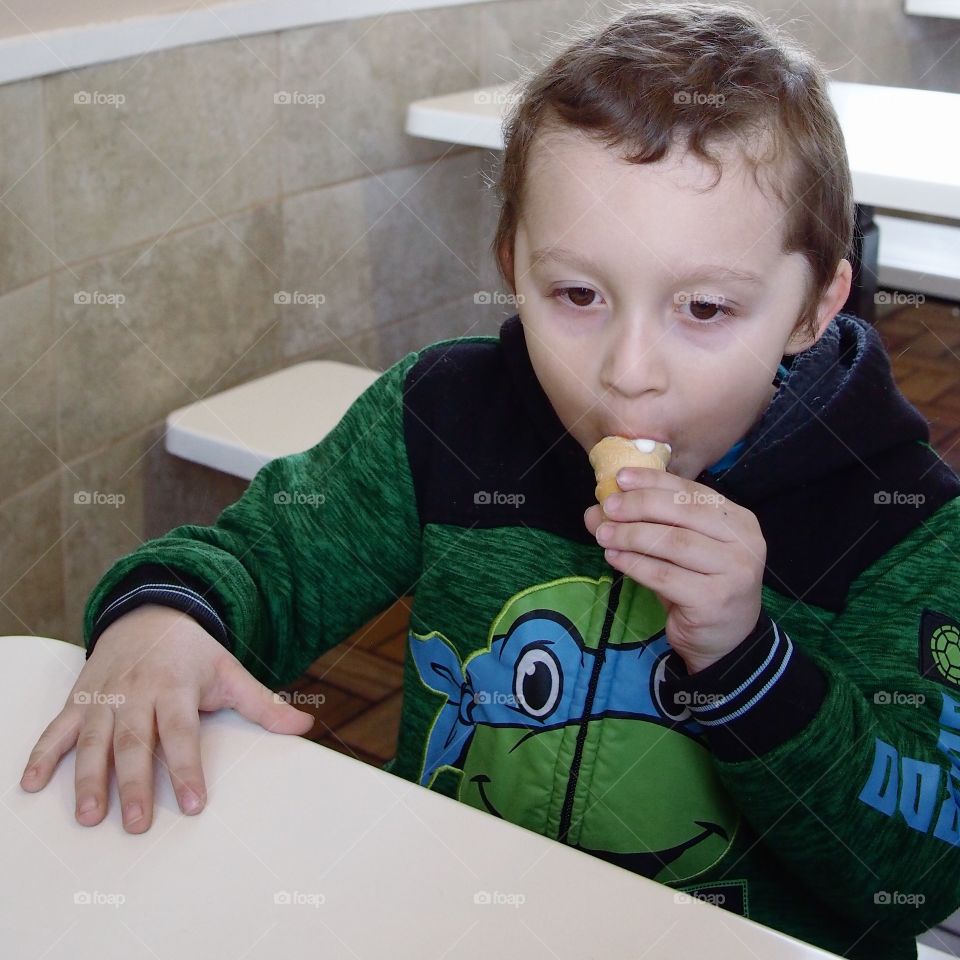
{"x":845,"y":750}
{"x":318,"y":544}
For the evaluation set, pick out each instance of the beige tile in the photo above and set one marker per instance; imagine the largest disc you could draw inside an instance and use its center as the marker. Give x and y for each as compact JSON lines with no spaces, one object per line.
{"x":25,"y":234}
{"x":103,"y":519}
{"x":519,"y":36}
{"x":368,"y":71}
{"x":423,"y":249}
{"x":197,"y":316}
{"x":28,"y":388}
{"x":31,"y":569}
{"x":198,"y":121}
{"x":458,"y":318}
{"x":327,"y":274}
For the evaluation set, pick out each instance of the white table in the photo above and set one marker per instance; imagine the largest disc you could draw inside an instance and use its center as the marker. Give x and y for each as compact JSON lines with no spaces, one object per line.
{"x":239,"y":430}
{"x":903,"y":146}
{"x":372,"y":866}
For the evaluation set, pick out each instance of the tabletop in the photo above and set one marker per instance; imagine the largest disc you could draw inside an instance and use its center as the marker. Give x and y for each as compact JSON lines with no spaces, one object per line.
{"x":303,"y":849}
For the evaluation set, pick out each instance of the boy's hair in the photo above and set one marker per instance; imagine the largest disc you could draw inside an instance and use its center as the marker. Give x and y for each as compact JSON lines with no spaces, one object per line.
{"x":696,"y":73}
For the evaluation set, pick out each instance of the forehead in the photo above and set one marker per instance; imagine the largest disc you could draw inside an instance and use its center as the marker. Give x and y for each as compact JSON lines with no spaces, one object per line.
{"x":582,"y":190}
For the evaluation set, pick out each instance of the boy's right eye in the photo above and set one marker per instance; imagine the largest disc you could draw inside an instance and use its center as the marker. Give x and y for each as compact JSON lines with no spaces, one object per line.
{"x":577,"y":296}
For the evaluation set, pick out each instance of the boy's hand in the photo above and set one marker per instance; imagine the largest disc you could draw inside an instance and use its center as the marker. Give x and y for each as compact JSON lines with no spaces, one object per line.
{"x":150,"y":673}
{"x":702,"y":555}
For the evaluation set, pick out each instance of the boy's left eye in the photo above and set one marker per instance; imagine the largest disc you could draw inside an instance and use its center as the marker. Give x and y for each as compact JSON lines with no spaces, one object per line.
{"x":705,"y":310}
{"x":577,"y":296}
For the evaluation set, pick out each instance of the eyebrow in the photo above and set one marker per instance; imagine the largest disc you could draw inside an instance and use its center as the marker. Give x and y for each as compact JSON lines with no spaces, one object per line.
{"x":706,"y":271}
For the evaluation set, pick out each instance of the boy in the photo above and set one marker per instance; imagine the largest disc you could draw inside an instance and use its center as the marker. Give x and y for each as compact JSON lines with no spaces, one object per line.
{"x":739,"y":677}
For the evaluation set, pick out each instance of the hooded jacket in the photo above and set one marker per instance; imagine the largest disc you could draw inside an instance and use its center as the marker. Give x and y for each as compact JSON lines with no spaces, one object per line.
{"x":807,"y":780}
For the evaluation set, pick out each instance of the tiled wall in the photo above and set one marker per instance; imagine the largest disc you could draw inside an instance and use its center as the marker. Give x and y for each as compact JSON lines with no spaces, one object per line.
{"x":184,"y":198}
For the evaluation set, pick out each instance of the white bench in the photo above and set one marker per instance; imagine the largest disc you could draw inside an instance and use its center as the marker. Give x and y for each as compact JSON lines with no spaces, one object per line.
{"x":239,"y":430}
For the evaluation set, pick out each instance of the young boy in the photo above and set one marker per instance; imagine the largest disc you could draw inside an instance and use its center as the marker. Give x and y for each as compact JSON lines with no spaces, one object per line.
{"x":740,"y":677}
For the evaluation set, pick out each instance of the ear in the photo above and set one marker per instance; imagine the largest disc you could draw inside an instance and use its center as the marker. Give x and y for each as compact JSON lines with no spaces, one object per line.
{"x":830,"y":304}
{"x":505,"y":256}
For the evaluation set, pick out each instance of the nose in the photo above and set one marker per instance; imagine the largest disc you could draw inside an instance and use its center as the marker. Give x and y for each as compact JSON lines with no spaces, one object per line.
{"x":633,"y":363}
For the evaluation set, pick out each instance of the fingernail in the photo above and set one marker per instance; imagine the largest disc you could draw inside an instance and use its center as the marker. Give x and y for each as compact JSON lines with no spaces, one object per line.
{"x":603,"y":532}
{"x":611,"y":554}
{"x":88,"y":804}
{"x":133,"y":812}
{"x":611,"y":503}
{"x":626,"y":476}
{"x":190,"y":801}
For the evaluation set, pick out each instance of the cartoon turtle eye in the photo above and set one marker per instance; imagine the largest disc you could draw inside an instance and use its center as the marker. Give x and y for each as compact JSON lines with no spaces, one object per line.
{"x":668,"y":700}
{"x":537,"y":682}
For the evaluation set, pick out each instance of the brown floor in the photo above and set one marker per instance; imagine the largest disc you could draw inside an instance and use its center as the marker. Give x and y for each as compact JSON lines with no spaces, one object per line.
{"x":360,"y":680}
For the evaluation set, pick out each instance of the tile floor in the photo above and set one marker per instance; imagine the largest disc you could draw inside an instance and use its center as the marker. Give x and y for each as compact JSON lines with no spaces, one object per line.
{"x":361,"y":679}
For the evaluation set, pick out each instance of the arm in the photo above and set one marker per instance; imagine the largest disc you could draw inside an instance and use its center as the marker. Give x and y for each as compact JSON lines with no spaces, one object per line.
{"x":319,"y":542}
{"x":843,"y":757}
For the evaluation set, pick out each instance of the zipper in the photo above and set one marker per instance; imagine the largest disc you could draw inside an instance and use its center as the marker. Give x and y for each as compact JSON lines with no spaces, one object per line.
{"x":566,"y":814}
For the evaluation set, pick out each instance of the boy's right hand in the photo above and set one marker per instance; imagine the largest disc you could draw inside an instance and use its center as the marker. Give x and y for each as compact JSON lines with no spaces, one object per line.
{"x":149,"y":675}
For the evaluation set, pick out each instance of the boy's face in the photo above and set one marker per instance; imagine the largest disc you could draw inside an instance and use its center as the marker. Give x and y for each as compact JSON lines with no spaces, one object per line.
{"x":613,"y":336}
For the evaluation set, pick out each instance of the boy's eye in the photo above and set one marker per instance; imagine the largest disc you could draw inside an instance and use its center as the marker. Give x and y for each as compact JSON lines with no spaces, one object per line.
{"x":578,"y":296}
{"x":705,"y":310}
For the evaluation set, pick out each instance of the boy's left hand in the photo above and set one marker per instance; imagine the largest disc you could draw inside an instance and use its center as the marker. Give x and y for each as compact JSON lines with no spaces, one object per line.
{"x":700,"y":553}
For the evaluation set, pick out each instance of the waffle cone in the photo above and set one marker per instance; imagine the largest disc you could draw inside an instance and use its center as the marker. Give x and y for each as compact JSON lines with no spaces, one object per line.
{"x":612,"y":454}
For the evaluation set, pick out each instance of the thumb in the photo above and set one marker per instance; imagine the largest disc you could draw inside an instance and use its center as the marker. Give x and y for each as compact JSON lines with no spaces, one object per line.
{"x":251,"y":699}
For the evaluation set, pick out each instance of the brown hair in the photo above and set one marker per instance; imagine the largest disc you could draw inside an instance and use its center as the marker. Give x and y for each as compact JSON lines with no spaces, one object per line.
{"x":710,"y":73}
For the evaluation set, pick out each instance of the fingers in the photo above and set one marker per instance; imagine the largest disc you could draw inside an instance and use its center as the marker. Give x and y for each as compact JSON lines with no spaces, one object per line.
{"x":134,"y":737}
{"x":59,"y":736}
{"x":684,"y":548}
{"x":94,"y":743}
{"x":702,"y":513}
{"x":250,"y":698}
{"x":178,"y":725}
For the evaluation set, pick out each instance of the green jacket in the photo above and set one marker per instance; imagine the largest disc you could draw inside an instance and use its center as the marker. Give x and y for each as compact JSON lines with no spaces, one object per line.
{"x":808,"y":780}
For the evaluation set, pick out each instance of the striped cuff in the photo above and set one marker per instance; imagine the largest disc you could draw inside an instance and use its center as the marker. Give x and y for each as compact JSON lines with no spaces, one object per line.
{"x":156,"y":583}
{"x":759,"y":695}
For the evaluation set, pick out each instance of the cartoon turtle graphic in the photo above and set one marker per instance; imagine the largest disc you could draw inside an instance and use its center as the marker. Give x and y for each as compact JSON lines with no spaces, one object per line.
{"x":576,"y":737}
